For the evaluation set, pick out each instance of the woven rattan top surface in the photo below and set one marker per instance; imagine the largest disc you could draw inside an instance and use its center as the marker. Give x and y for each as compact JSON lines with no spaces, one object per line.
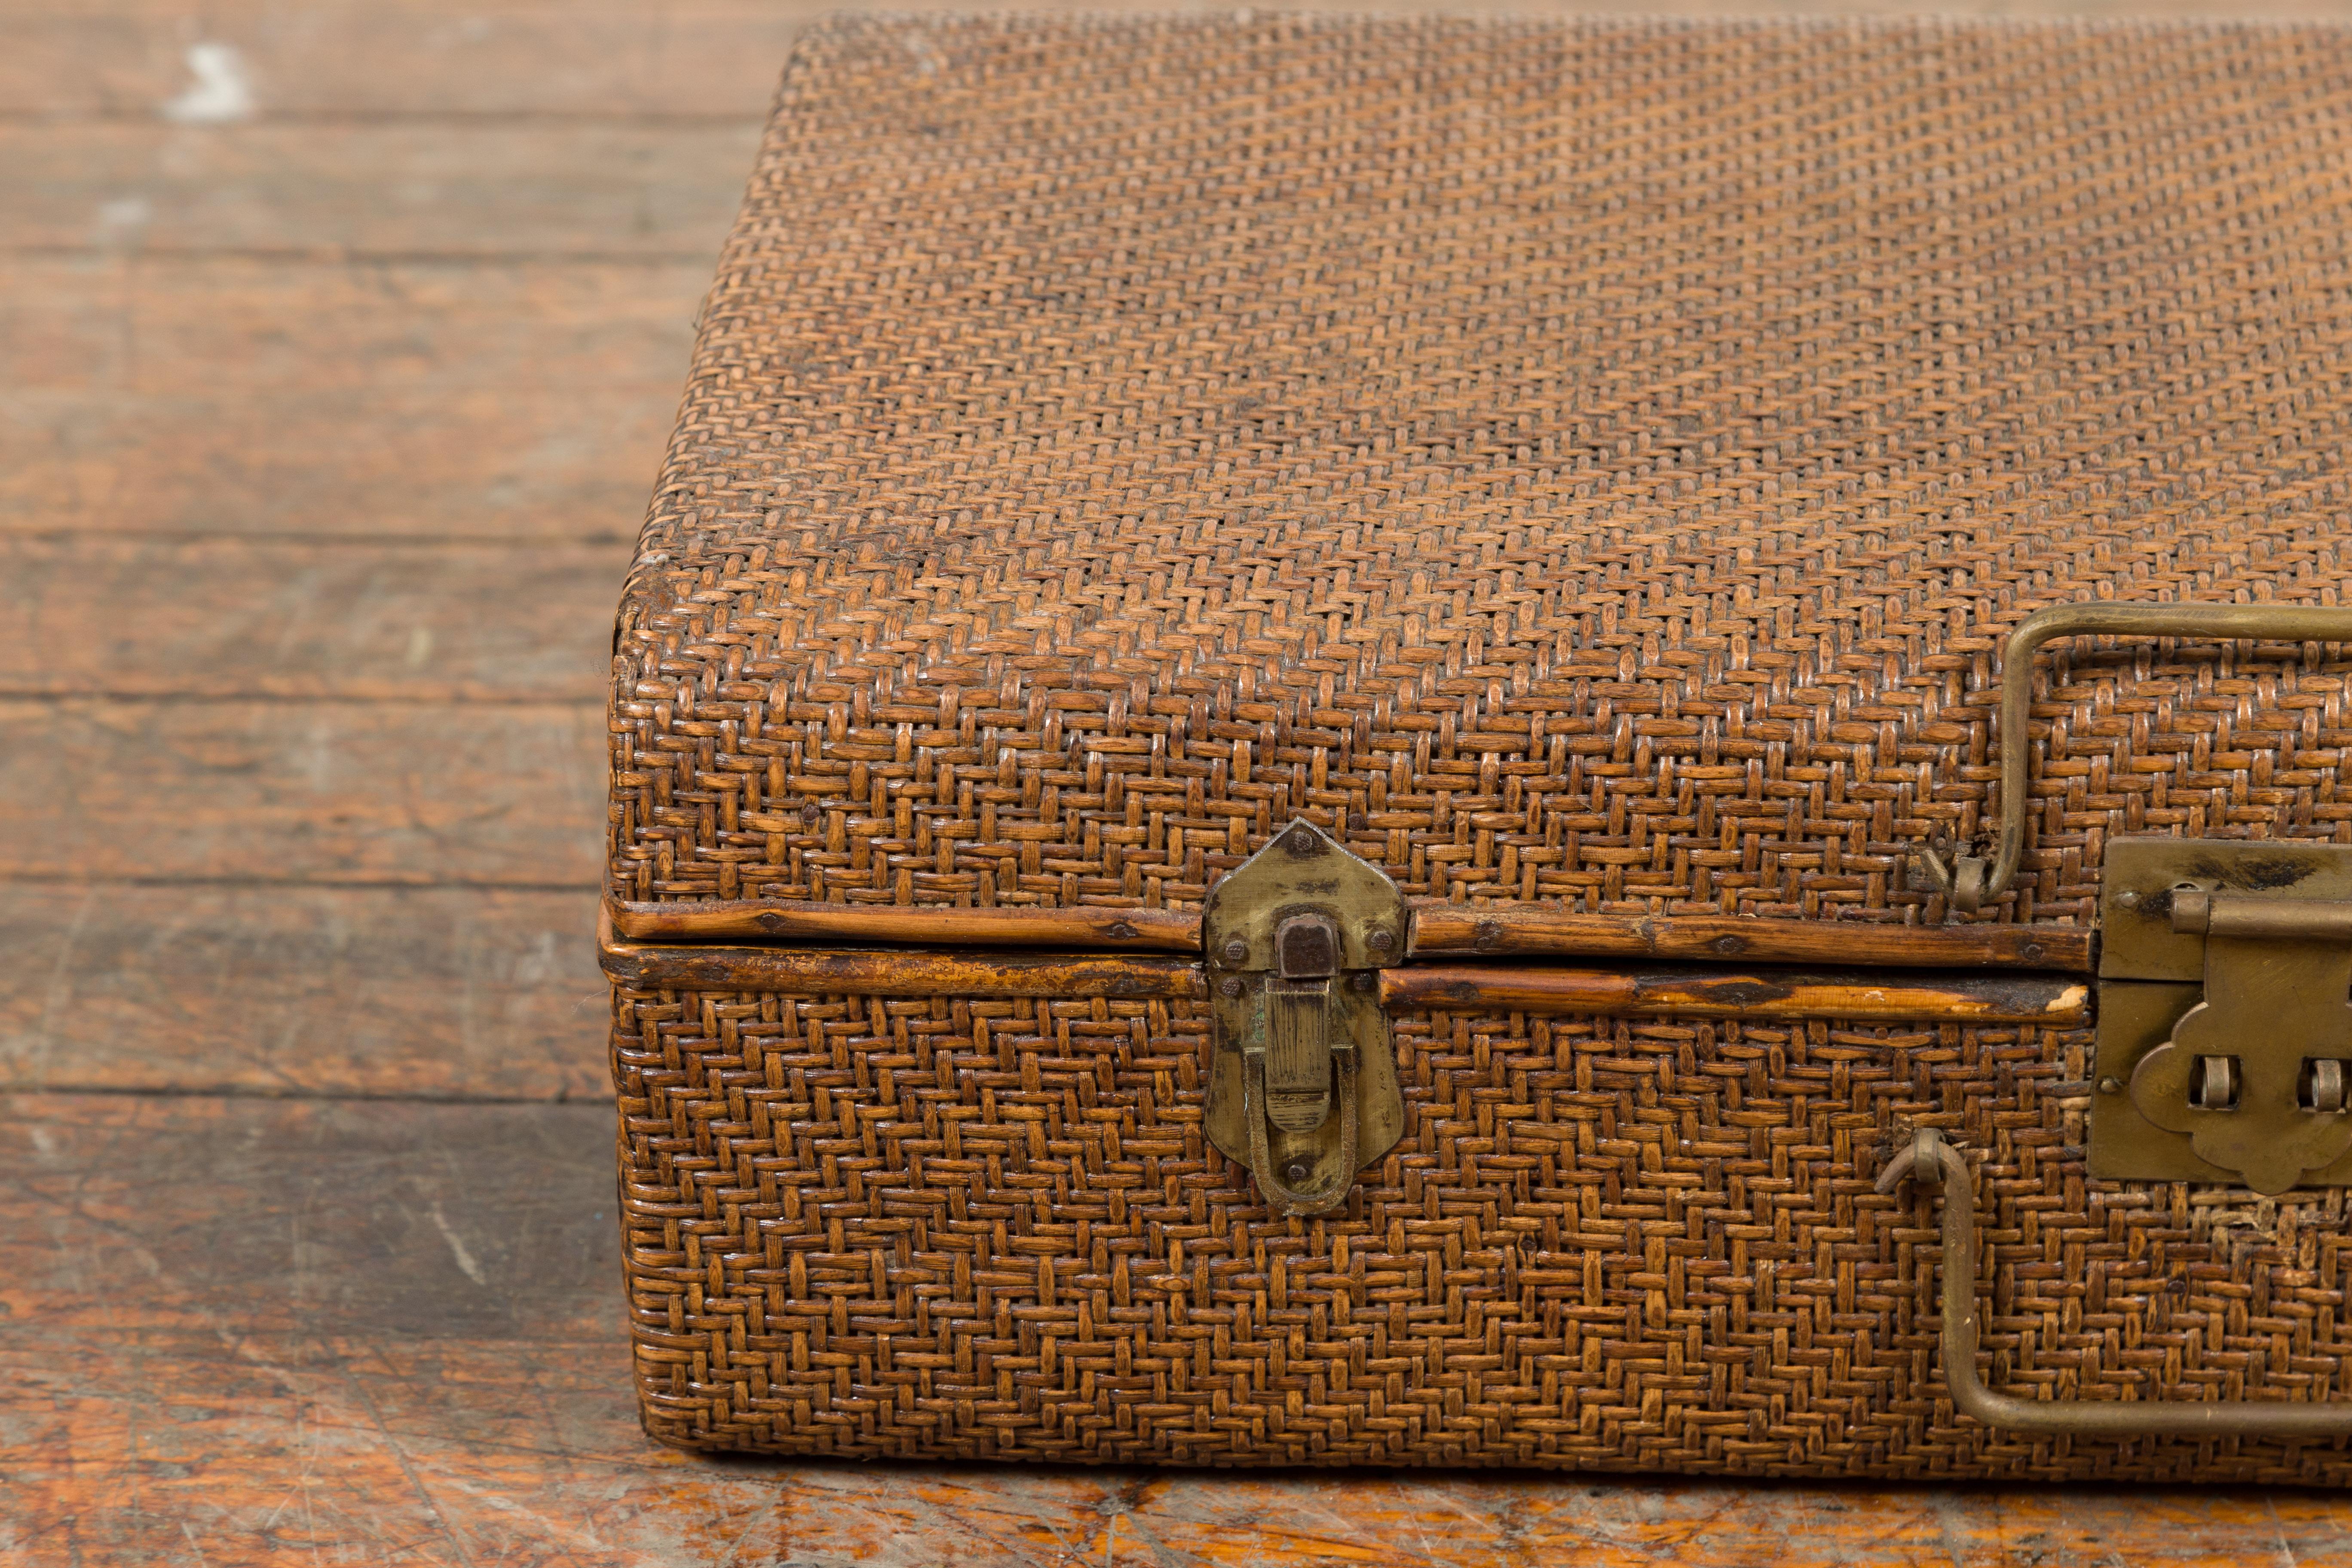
{"x":1592,"y":463}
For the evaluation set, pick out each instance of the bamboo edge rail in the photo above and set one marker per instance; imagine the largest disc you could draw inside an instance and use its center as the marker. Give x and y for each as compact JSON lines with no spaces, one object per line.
{"x":1534,"y":930}
{"x":1886,"y":996}
{"x":1115,"y":930}
{"x":1439,"y":929}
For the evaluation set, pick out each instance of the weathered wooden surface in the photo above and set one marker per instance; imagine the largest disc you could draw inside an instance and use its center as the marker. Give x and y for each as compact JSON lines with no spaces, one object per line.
{"x":326,"y":397}
{"x":446,"y":993}
{"x":484,"y":794}
{"x":295,"y":389}
{"x":395,"y":189}
{"x":140,"y":615}
{"x":349,"y":58}
{"x":522,"y":463}
{"x":405,"y":58}
{"x":299,"y":326}
{"x":316,"y":1331}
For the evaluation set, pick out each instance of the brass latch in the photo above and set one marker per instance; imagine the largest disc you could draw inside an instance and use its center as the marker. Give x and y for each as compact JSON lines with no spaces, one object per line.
{"x":2225,"y":1014}
{"x":1298,"y":1043}
{"x":1302,"y":1085}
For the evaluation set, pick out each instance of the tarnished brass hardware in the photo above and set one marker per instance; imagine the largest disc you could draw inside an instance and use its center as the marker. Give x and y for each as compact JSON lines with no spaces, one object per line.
{"x":1927,"y":1152}
{"x":1969,"y":882}
{"x":1299,"y":1066}
{"x":2225,"y":1007}
{"x":1303,"y":1083}
{"x":2213,"y":1083}
{"x":2323,"y":1084}
{"x":2251,"y":918}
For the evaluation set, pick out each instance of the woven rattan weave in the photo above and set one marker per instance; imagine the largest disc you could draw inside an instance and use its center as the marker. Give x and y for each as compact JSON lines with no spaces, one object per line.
{"x":1594,"y":465}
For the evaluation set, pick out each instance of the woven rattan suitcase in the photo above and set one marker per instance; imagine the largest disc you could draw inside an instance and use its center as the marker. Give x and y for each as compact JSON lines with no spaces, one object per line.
{"x":1447,"y":743}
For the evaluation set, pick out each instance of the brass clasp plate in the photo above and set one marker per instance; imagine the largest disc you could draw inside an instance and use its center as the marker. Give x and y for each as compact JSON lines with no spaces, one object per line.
{"x":1302,"y":1085}
{"x":2225,"y":1014}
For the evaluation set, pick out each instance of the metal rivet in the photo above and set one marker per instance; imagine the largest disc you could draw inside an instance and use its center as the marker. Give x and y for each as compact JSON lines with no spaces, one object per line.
{"x":1297,"y":1172}
{"x":1231,"y":986}
{"x":2110,"y":1085}
{"x":1378,"y":941}
{"x":1364,"y":983}
{"x":1236,"y":951}
{"x":2033,"y":950}
{"x":2128,"y":898}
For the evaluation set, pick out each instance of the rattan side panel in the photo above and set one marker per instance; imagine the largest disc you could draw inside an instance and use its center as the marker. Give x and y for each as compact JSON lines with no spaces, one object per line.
{"x":1592,"y":463}
{"x":933,"y":1227}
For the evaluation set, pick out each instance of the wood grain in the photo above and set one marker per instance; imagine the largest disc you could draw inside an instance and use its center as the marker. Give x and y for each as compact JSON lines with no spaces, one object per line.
{"x":262,"y":1331}
{"x":240,"y":395}
{"x":482,"y":795}
{"x":310,"y":1217}
{"x":407,"y":58}
{"x":439,"y":992}
{"x":1496,"y":930}
{"x":185,"y":325}
{"x":422,"y":188}
{"x":1885,"y":996}
{"x":173,"y":616}
{"x":336,"y":58}
{"x":488,"y":463}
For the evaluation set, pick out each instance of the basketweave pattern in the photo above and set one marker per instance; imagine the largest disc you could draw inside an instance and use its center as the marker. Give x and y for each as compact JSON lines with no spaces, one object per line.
{"x":1589,"y":463}
{"x":868,"y":1227}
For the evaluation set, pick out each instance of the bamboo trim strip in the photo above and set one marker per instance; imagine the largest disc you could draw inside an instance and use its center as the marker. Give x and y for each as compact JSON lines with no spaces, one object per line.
{"x":1439,"y":929}
{"x":850,"y":972}
{"x":1744,"y":994}
{"x":1500,"y":931}
{"x":1111,"y":929}
{"x":894,"y":972}
{"x":834,"y":972}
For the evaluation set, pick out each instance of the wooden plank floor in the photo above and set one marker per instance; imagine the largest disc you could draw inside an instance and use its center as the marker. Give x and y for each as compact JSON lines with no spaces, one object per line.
{"x":338,"y":343}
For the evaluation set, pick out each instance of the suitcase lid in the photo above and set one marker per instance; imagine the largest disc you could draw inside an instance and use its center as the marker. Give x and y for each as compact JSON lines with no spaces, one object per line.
{"x":1591,"y":470}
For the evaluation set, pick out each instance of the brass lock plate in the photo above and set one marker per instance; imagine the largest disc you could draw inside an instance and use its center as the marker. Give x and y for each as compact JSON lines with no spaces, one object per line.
{"x":1295,"y":939}
{"x":2224,"y":1040}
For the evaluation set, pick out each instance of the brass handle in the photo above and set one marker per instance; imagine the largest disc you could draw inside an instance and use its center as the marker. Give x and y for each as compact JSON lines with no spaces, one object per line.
{"x":1971,"y":882}
{"x":2075,"y":1417}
